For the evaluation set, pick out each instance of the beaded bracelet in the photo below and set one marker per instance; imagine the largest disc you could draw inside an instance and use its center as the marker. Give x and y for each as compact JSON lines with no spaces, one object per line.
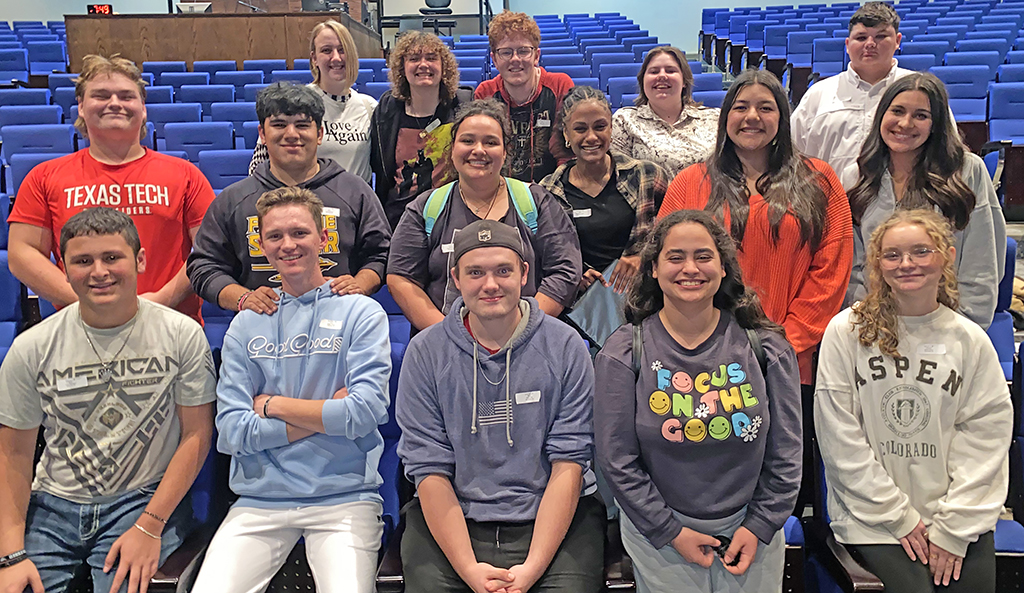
{"x":241,"y":300}
{"x":14,"y":558}
{"x":155,"y":516}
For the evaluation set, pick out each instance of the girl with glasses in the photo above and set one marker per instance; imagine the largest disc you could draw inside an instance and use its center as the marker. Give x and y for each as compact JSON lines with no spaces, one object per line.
{"x":913,"y":158}
{"x":913,"y":418}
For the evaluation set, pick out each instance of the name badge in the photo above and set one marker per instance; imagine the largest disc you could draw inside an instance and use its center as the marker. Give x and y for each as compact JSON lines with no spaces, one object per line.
{"x":432,"y":126}
{"x":330,"y":324}
{"x":332,"y":211}
{"x":69,"y":383}
{"x":447,"y":247}
{"x":931,"y":349}
{"x":584,"y":213}
{"x":543,"y":123}
{"x":527,"y":397}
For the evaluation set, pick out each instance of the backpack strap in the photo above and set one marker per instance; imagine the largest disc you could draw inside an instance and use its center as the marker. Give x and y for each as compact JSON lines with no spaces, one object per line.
{"x":638,"y":348}
{"x":522,"y":199}
{"x":755,"y":345}
{"x":434,"y":205}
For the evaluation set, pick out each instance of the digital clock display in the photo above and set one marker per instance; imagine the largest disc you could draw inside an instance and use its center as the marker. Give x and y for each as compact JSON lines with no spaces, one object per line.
{"x":101,"y":9}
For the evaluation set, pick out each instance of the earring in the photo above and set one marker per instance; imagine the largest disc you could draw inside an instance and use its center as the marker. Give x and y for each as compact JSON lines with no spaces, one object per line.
{"x":567,"y":145}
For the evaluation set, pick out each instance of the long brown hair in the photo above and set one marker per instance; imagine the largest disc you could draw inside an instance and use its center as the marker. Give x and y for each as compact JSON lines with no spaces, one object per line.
{"x":789,"y":186}
{"x":876,"y":317}
{"x":935,"y":181}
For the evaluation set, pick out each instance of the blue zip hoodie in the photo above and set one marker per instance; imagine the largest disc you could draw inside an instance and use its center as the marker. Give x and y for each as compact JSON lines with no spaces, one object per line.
{"x":314,"y":345}
{"x":494,"y":423}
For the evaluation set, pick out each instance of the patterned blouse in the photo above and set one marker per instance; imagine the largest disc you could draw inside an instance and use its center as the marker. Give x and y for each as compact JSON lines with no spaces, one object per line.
{"x":641,"y":134}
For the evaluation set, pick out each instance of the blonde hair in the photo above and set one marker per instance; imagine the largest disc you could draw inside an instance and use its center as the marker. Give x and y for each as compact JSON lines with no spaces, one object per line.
{"x":348,"y":45}
{"x":876,"y":317}
{"x":95,"y":65}
{"x":424,"y":42}
{"x":284,"y":196}
{"x":510,"y":23}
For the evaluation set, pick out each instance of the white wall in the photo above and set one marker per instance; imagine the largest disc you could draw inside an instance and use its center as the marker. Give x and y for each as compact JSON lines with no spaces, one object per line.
{"x":675,"y":23}
{"x":54,"y":10}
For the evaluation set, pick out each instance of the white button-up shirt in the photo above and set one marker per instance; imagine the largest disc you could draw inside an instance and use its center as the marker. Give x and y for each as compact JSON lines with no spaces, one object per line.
{"x":834,"y":117}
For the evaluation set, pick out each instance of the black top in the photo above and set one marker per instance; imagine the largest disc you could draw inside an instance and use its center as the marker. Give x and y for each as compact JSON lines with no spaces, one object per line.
{"x":603,"y":223}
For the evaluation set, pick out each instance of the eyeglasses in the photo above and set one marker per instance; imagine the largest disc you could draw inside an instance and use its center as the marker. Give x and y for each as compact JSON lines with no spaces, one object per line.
{"x":891,"y":260}
{"x":506,"y":53}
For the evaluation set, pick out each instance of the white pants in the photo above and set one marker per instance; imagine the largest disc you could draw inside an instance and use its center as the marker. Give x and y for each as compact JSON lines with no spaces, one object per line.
{"x":251,"y":545}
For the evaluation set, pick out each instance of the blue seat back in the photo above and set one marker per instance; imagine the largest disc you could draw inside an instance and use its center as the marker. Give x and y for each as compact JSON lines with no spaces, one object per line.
{"x":30,"y":114}
{"x":224,"y":167}
{"x":237,"y":113}
{"x":162,"y":113}
{"x":47,"y":138}
{"x":213,"y":66}
{"x":193,"y":137}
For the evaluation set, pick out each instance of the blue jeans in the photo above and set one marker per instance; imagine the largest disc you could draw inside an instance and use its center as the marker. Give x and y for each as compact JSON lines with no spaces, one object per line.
{"x":61,"y":535}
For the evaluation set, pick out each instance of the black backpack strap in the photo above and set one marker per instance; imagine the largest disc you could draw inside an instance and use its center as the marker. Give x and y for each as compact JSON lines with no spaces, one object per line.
{"x":638,"y":348}
{"x":755,"y":344}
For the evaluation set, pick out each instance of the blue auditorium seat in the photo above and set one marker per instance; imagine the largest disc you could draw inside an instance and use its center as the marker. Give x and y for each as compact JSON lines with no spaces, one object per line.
{"x":250,"y":90}
{"x":619,"y":86}
{"x":46,"y":57}
{"x":10,"y":292}
{"x":1010,"y":73}
{"x":707,"y":81}
{"x":250,"y":133}
{"x":224,"y":167}
{"x":205,"y":94}
{"x":548,"y":61}
{"x":640,"y":50}
{"x":1006,"y":112}
{"x":365,"y":75}
{"x":933,"y":48}
{"x":574,"y":72}
{"x":609,"y":71}
{"x":211,"y":67}
{"x":158,"y":68}
{"x":236,"y":113}
{"x":989,"y":59}
{"x":993,"y":44}
{"x":619,"y":53}
{"x":239,"y":79}
{"x":49,"y":138}
{"x":800,"y":46}
{"x":192,"y":137}
{"x":828,"y":56}
{"x":296,"y":76}
{"x":472,"y":61}
{"x":30,"y":114}
{"x":474,"y":75}
{"x":710,"y":98}
{"x":159,"y":94}
{"x":630,"y":42}
{"x":265,"y":66}
{"x":968,"y":89}
{"x":24,"y":96}
{"x":917,"y":62}
{"x":177,"y":79}
{"x":163,"y":113}
{"x":56,"y":80}
{"x":378,"y":64}
{"x":5,"y":211}
{"x":376,"y":89}
{"x":20,"y":165}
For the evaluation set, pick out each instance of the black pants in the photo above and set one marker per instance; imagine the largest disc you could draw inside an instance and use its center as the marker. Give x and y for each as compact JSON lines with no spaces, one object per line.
{"x":578,"y":565}
{"x":898,"y":572}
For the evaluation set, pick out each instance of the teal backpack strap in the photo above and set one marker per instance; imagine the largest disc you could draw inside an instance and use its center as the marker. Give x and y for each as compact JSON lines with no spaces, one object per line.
{"x":522,"y":198}
{"x":435,"y":205}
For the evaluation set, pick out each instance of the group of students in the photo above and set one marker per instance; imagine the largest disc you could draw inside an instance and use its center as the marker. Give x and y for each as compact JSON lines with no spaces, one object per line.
{"x":734,"y":247}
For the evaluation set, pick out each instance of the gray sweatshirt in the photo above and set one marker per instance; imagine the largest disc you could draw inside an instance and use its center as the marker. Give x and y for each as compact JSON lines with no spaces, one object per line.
{"x":494,"y":423}
{"x":700,"y":431}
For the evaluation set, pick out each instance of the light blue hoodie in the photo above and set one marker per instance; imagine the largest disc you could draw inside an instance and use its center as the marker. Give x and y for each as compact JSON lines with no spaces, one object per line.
{"x":314,"y":345}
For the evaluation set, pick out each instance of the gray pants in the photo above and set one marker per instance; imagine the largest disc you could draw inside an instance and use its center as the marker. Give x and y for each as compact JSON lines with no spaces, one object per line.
{"x":578,"y":565}
{"x":659,"y":570}
{"x":899,"y":573}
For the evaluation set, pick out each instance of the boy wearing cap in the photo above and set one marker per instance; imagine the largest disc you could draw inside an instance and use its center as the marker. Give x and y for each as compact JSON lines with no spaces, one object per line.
{"x":496,"y":414}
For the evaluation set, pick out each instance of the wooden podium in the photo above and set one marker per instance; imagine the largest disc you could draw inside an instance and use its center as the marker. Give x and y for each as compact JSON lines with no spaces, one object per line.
{"x":206,"y":36}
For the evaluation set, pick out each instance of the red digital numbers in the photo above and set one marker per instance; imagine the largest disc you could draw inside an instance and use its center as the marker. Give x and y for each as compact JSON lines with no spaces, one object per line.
{"x":101,"y":9}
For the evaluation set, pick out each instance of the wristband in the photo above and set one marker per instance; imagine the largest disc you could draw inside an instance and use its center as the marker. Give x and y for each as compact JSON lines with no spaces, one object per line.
{"x":143,"y":530}
{"x":12,"y":559}
{"x":155,"y":516}
{"x":241,"y":299}
{"x":266,"y":403}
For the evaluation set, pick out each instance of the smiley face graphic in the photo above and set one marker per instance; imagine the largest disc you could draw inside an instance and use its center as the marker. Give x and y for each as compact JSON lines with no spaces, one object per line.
{"x":682,"y":382}
{"x":660,"y":403}
{"x":719,"y":428}
{"x":695,"y":430}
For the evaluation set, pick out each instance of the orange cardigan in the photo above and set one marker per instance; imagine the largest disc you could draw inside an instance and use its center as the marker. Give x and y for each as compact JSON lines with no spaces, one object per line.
{"x":799,"y":290}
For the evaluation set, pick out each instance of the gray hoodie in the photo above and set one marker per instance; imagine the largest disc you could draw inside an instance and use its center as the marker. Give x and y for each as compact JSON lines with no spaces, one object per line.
{"x":494,"y":423}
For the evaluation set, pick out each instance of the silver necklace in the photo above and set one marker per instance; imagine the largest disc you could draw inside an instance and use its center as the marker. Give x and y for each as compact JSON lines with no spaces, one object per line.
{"x":106,"y":372}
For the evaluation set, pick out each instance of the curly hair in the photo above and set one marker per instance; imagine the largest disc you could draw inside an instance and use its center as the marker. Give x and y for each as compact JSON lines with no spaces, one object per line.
{"x":347,"y":44}
{"x":491,"y":108}
{"x":511,"y":23}
{"x":422,"y":42}
{"x":684,"y":68}
{"x":95,"y":65}
{"x":645,"y":297}
{"x":876,"y":317}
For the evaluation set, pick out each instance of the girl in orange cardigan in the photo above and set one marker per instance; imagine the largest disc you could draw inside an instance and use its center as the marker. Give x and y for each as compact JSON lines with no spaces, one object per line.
{"x":787,"y":212}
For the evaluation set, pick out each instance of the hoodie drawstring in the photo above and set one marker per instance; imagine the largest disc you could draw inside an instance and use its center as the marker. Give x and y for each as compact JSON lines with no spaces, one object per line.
{"x":508,"y":392}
